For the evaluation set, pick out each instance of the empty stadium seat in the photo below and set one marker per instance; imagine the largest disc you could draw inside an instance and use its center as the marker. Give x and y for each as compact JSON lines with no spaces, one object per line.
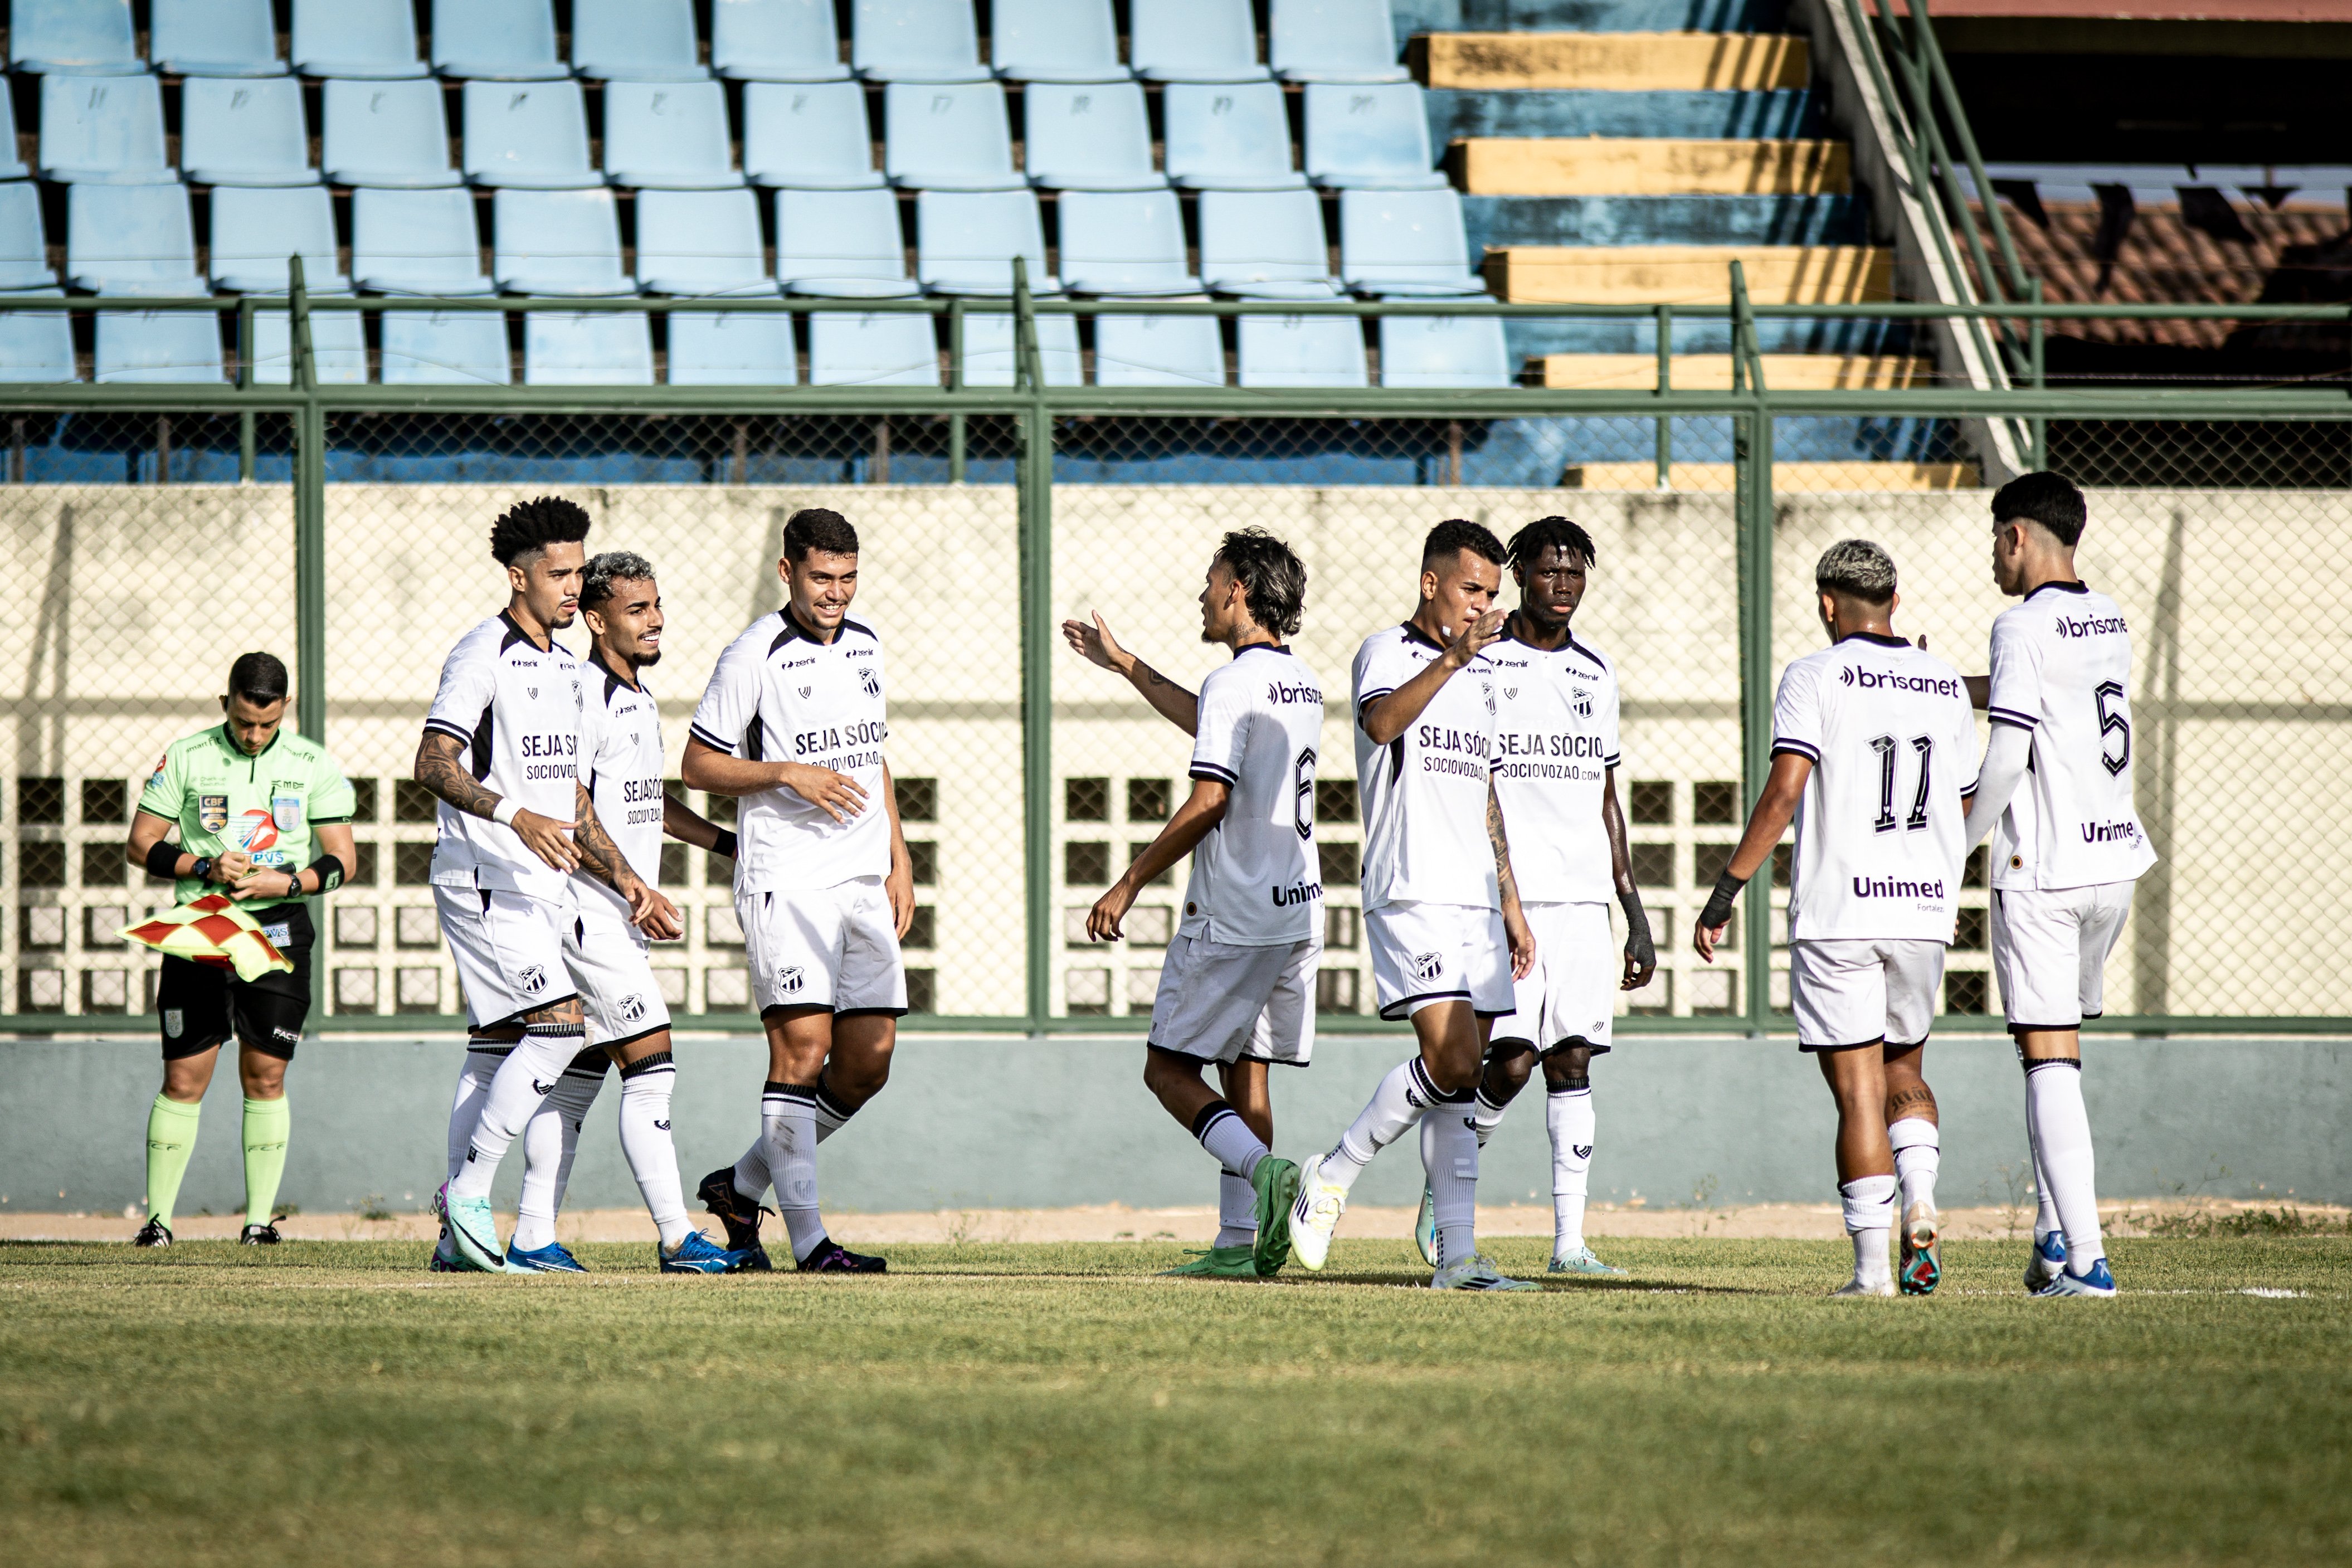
{"x":1334,"y":40}
{"x":859,"y":348}
{"x":447,"y":348}
{"x":1229,"y":136}
{"x":1193,"y":41}
{"x":1371,"y":136}
{"x":915,"y":40}
{"x":1265,"y":245}
{"x":1444,"y":351}
{"x":132,"y":240}
{"x":812,"y":135}
{"x":369,"y":38}
{"x":215,"y":37}
{"x":1158,"y":350}
{"x":393,"y":133}
{"x":158,"y":346}
{"x":584,"y":348}
{"x":254,"y":231}
{"x":103,"y":130}
{"x":24,"y":240}
{"x":241,"y":132}
{"x":1054,"y":40}
{"x":990,"y":357}
{"x":1124,"y":242}
{"x":499,"y":40}
{"x":775,"y":40}
{"x":36,"y":346}
{"x":842,"y":244}
{"x":1302,"y":350}
{"x":1404,"y":243}
{"x":672,"y":135}
{"x":734,"y":348}
{"x":1088,"y":136}
{"x":966,"y":241}
{"x":11,"y":167}
{"x":417,"y":242}
{"x":701,"y":242}
{"x":338,"y":348}
{"x":635,"y":41}
{"x":947,"y":136}
{"x":84,"y":36}
{"x":528,"y":135}
{"x":558,"y":242}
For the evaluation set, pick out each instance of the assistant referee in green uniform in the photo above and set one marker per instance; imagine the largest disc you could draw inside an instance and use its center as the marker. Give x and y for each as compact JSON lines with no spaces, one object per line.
{"x":264,"y":817}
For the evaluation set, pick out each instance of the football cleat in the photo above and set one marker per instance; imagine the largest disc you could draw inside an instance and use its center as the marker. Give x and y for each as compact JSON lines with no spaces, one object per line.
{"x":697,"y":1254}
{"x":829,"y":1256}
{"x":154,"y":1233}
{"x":1276,"y":1181}
{"x":552,"y":1258}
{"x":2047,"y":1262}
{"x":1582,"y":1261}
{"x":473,"y":1232}
{"x":261,"y":1235}
{"x":2097,"y":1282}
{"x":1314,"y":1214}
{"x":1475,"y":1272}
{"x":739,"y":1215}
{"x":1857,"y":1288}
{"x":1220,"y":1263}
{"x":1921,"y":1266}
{"x":1424,"y":1228}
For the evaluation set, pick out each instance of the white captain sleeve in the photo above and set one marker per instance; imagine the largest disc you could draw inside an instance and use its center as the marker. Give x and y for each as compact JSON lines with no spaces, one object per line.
{"x":1220,"y":729}
{"x":731,"y":704}
{"x":468,"y":682}
{"x":2016,"y":674}
{"x":1797,"y":714}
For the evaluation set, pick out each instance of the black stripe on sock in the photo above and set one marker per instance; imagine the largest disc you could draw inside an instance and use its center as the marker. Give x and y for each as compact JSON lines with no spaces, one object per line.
{"x":772,"y":1090}
{"x":1419,"y":1075}
{"x":828,"y":1106}
{"x":648,"y":1064}
{"x":1211,"y":1114}
{"x":2032,"y":1062}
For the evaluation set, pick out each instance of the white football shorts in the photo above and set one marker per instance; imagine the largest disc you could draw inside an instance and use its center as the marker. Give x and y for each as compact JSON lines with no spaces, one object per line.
{"x":1424,"y":953}
{"x":1572,"y":992}
{"x":508,"y":948}
{"x":834,"y":948}
{"x":611,"y":962}
{"x":2050,"y":950}
{"x":1858,"y":991}
{"x":1223,"y":1003}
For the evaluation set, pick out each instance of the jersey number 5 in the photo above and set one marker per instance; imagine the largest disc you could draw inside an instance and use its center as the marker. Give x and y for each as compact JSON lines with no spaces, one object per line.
{"x":2113,"y":722}
{"x":1885,"y":747}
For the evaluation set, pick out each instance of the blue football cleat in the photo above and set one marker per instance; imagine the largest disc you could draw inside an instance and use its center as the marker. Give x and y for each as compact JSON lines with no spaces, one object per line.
{"x":552,"y":1258}
{"x":2097,"y":1282}
{"x":697,"y":1254}
{"x":2047,"y":1262}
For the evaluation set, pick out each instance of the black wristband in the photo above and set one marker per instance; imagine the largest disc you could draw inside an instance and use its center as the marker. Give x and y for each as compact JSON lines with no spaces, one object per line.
{"x":1640,"y":946}
{"x":163,"y":859}
{"x":1719,"y":903}
{"x":726,"y":844}
{"x":330,"y":873}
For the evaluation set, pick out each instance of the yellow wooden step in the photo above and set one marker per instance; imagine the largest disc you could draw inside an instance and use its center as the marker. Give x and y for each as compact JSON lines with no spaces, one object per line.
{"x":1620,"y":62}
{"x":1689,"y":274}
{"x":1787,"y":479}
{"x":1712,"y":373}
{"x":1647,"y":166}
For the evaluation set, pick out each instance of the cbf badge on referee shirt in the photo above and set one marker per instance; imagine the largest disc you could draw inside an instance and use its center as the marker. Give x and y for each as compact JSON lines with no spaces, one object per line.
{"x":212,"y":812}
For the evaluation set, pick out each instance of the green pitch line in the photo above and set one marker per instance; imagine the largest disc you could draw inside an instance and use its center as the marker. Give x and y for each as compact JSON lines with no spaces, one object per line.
{"x":331,"y":1403}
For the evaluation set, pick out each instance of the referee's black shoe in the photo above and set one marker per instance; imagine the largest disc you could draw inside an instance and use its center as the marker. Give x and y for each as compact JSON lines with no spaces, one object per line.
{"x":829,"y":1256}
{"x":739,"y":1215}
{"x":261,"y":1235}
{"x":154,"y":1233}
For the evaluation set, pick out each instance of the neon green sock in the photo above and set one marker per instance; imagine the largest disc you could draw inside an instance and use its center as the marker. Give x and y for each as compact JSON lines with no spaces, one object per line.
{"x":266,"y":1123}
{"x":171,"y":1139}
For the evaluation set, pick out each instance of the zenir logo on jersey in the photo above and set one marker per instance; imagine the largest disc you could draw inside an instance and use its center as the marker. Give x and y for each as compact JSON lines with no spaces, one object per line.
{"x":533,"y":979}
{"x":868,"y":681}
{"x":1427,"y":967}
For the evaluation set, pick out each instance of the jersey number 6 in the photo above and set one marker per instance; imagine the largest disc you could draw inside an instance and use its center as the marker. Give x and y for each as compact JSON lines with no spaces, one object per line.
{"x":1886,"y":749}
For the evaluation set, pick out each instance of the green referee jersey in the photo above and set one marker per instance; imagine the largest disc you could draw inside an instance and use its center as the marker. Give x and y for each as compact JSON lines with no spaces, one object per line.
{"x":267,"y":805}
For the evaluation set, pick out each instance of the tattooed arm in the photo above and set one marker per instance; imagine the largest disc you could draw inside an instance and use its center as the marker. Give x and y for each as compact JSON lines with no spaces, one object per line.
{"x":601,"y":858}
{"x":1515,"y":920}
{"x":1096,"y":645}
{"x":441,"y":768}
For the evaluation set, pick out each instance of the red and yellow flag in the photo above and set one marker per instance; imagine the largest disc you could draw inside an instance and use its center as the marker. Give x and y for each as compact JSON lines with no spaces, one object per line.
{"x":213,"y":930}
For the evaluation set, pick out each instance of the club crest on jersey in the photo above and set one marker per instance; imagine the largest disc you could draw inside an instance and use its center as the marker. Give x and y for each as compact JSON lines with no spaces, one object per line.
{"x":632,"y":1008}
{"x":1488,"y":692}
{"x":1427,"y":967}
{"x":806,"y":690}
{"x":1511,"y":693}
{"x":533,"y":978}
{"x":1580,"y":701}
{"x":212,"y":812}
{"x":868,"y":681}
{"x":790,"y":978}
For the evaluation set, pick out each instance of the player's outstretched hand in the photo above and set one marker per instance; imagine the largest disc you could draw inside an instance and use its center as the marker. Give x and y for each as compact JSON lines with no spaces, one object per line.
{"x":652,"y":913}
{"x":1522,"y":938}
{"x":1704,"y":937}
{"x":1104,"y":919}
{"x":1477,"y":636}
{"x":1096,"y":645}
{"x":840,"y":796}
{"x":544,"y":837}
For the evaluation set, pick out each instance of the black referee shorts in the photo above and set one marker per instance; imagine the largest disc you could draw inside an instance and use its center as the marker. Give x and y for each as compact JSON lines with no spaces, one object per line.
{"x":201,"y":1005}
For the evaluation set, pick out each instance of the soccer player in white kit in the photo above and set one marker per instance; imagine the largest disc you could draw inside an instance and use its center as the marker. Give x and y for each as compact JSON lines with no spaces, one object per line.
{"x":1237,"y":987}
{"x":792,"y":723}
{"x":1441,"y":908}
{"x":2055,"y":793}
{"x":1874,"y":749}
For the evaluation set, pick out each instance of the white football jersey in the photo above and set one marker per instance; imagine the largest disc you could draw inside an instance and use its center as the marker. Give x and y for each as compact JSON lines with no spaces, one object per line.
{"x":1424,"y":794}
{"x":779,"y":695}
{"x":2062,"y":671}
{"x":1892,"y":743}
{"x":1255,"y":882}
{"x":1556,"y":732}
{"x":516,"y":708}
{"x":620,"y":751}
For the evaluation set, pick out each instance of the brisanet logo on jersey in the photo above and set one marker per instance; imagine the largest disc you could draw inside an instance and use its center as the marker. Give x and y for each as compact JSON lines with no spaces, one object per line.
{"x":2089,"y":626}
{"x":1883,"y":680}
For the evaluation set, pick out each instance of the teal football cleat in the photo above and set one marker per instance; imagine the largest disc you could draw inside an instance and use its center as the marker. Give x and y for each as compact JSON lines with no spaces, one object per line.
{"x":1475,"y":1272}
{"x":697,"y":1254}
{"x":1424,"y":1228}
{"x":473,"y":1232}
{"x":1582,"y":1261}
{"x":552,"y":1258}
{"x":1276,"y":1183}
{"x":2047,"y":1262}
{"x":2093,"y":1281}
{"x":1922,"y":1265}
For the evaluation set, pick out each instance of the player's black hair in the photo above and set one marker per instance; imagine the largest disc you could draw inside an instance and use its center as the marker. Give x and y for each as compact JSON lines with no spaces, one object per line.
{"x":1857,"y":568}
{"x":2045,"y":498}
{"x":603,"y":571}
{"x":1550,"y":533}
{"x":527,"y":528}
{"x":1273,"y":579}
{"x":258,"y":677}
{"x":814,"y":528}
{"x":1456,"y":534}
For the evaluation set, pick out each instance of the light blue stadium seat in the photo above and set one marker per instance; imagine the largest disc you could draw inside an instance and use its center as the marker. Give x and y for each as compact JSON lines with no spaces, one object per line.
{"x":1158,"y":350}
{"x":1124,"y":243}
{"x":989,"y":357}
{"x":11,"y":167}
{"x":1302,"y":350}
{"x":338,"y":344}
{"x":1370,"y":136}
{"x":215,"y":37}
{"x":1054,"y":40}
{"x":812,"y":135}
{"x":1444,"y":351}
{"x":843,"y":244}
{"x":103,"y":130}
{"x":417,"y":242}
{"x":636,"y":40}
{"x":1194,"y":40}
{"x":375,"y":39}
{"x":1334,"y":40}
{"x":87,"y":37}
{"x":668,"y":135}
{"x":1399,"y":244}
{"x":24,"y":240}
{"x":255,"y":230}
{"x":242,"y":131}
{"x":1229,"y":136}
{"x":447,"y":348}
{"x":947,"y":136}
{"x":607,"y":348}
{"x":528,"y":135}
{"x":775,"y":40}
{"x":392,"y":134}
{"x":1265,"y":245}
{"x":558,"y":242}
{"x":966,"y":241}
{"x":701,"y":242}
{"x":1088,"y":136}
{"x":36,"y":346}
{"x":859,"y":348}
{"x":158,"y":346}
{"x":498,"y":40}
{"x":915,"y":40}
{"x":132,"y":240}
{"x":734,"y":349}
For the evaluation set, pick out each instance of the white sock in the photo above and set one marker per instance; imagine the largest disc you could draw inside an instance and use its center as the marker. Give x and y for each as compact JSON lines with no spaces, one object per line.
{"x":2062,"y":1132}
{"x":751,"y":1174}
{"x":1569,"y":1118}
{"x":1869,"y":1215}
{"x":1228,"y":1138}
{"x":1918,"y":1156}
{"x":2046,"y":1206}
{"x":473,"y":1086}
{"x":550,"y":1143}
{"x":1449,"y":1153}
{"x":1236,"y":1210}
{"x":529,"y":1075}
{"x":1395,"y":1107}
{"x":646,"y":1142}
{"x":788,"y":1127}
{"x":1486,"y":1115}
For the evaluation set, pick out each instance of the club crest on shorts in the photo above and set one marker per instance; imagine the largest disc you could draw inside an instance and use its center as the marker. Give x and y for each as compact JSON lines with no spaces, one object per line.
{"x":533,"y":978}
{"x":868,"y":682}
{"x":1427,"y":967}
{"x":632,"y":1008}
{"x":790,"y":978}
{"x":212,"y":812}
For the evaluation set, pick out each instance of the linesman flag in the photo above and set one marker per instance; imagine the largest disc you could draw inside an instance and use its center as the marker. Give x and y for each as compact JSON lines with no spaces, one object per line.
{"x":211,"y":929}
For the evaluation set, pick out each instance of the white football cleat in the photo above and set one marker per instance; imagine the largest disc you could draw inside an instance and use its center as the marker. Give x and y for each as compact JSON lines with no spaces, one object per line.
{"x":1315,"y":1216}
{"x":1857,"y":1288}
{"x":1476,"y":1272}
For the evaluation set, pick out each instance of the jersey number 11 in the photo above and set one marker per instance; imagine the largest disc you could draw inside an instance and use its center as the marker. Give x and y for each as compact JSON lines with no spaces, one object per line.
{"x":1884,"y":745}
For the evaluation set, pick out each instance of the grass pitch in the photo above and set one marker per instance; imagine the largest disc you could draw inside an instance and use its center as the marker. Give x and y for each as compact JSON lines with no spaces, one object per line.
{"x":331,"y":1403}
